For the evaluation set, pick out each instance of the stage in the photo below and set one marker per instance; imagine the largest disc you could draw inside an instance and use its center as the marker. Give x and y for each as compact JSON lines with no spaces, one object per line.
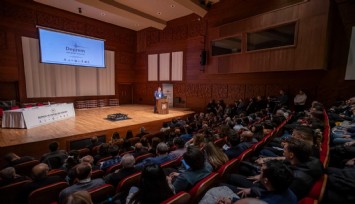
{"x":86,"y":123}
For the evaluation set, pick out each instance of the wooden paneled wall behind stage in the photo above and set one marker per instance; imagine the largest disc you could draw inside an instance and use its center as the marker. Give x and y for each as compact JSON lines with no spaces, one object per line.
{"x":321,"y":56}
{"x":20,"y":18}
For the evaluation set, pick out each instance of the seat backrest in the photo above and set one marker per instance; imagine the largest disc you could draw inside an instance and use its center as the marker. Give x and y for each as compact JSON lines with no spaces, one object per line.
{"x":228,"y":167}
{"x":47,"y":194}
{"x":9,"y":193}
{"x":220,"y":142}
{"x":171,"y":163}
{"x":14,"y":107}
{"x":25,"y":168}
{"x":104,"y":159}
{"x":142,"y":157}
{"x":102,"y":193}
{"x":113,"y":168}
{"x":125,"y":184}
{"x":133,"y":140}
{"x":1,"y":112}
{"x":58,"y":172}
{"x":97,"y":174}
{"x":83,"y":152}
{"x":202,"y":186}
{"x":245,"y":154}
{"x":180,"y":198}
{"x":318,"y":188}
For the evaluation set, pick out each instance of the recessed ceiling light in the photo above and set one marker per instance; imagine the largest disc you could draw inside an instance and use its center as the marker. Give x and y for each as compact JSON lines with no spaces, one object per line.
{"x":159,"y":13}
{"x":137,"y":24}
{"x":172,"y":6}
{"x":103,"y":14}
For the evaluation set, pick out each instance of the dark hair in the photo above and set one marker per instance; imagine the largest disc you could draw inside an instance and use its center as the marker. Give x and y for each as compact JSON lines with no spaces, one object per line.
{"x":83,"y":170}
{"x":307,"y":132}
{"x":178,"y":142}
{"x":115,"y":136}
{"x":129,"y":134}
{"x":103,"y":150}
{"x":10,"y":156}
{"x":301,"y":149}
{"x":278,"y":174}
{"x":194,"y":157}
{"x":153,"y":186}
{"x":233,"y":140}
{"x":113,"y":150}
{"x":53,"y":146}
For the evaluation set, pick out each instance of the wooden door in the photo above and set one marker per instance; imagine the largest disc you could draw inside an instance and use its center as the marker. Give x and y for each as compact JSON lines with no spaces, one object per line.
{"x":125,"y":93}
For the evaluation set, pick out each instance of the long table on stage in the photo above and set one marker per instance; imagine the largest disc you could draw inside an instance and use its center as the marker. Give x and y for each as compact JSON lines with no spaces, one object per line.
{"x":37,"y":116}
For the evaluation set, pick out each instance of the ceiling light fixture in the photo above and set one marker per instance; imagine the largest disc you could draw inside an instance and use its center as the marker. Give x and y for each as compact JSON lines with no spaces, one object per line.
{"x":172,"y":6}
{"x":103,"y":14}
{"x":159,"y":13}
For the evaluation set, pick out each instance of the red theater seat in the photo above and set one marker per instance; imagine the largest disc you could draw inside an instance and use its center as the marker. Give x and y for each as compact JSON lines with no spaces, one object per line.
{"x":102,"y":193}
{"x":128,"y":182}
{"x":202,"y":186}
{"x":179,"y":198}
{"x":47,"y":194}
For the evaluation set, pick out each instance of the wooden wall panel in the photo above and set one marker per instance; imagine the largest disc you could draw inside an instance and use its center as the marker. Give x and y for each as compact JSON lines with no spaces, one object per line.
{"x":19,"y":18}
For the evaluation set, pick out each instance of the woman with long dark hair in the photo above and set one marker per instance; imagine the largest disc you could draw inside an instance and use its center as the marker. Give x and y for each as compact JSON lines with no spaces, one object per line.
{"x":153,"y":187}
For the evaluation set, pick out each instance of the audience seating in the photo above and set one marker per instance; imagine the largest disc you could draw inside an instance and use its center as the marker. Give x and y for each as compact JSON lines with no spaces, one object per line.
{"x":128,"y":182}
{"x":14,"y":107}
{"x":9,"y":194}
{"x":113,"y":168}
{"x":58,"y":172}
{"x":133,"y":140}
{"x":101,"y":193}
{"x":142,"y":157}
{"x":95,"y":150}
{"x":47,"y":194}
{"x":1,"y":112}
{"x":83,"y":152}
{"x":25,"y":168}
{"x":202,"y":186}
{"x":179,"y":198}
{"x":97,"y":174}
{"x":104,"y":159}
{"x":172,"y":163}
{"x":228,"y":167}
{"x":220,"y":142}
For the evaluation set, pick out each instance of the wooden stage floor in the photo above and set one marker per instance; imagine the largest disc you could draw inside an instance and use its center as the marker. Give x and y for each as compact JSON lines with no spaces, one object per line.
{"x":90,"y":122}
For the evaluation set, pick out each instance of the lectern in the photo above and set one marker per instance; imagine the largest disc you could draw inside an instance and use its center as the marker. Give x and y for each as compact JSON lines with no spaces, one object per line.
{"x":162,"y":106}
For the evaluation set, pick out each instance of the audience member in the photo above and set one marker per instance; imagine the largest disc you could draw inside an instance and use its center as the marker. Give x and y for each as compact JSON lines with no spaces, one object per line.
{"x":79,"y":197}
{"x":55,"y":158}
{"x":127,"y":169}
{"x":9,"y":176}
{"x":83,"y":173}
{"x":153,"y":187}
{"x":162,"y":156}
{"x":180,"y":148}
{"x":215,"y":156}
{"x":142,"y":132}
{"x":40,"y":179}
{"x":113,"y":150}
{"x":13,"y":159}
{"x":197,"y":169}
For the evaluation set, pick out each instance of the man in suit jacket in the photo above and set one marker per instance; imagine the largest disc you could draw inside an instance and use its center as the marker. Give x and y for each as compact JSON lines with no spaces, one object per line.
{"x":127,"y":169}
{"x":158,"y":94}
{"x":83,"y":173}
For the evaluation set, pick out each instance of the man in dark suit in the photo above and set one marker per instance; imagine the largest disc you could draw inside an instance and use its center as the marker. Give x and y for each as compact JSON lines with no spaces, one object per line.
{"x":158,"y":94}
{"x":127,"y":169}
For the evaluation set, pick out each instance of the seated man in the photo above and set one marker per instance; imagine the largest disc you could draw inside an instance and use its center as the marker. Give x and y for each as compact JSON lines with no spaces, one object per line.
{"x":55,"y":158}
{"x":139,"y":149}
{"x":127,"y":169}
{"x":142,"y":132}
{"x":13,"y":159}
{"x":196,"y":169}
{"x":40,"y":179}
{"x":83,"y":173}
{"x":180,"y":148}
{"x":8,"y":176}
{"x":306,"y":169}
{"x":113,"y":150}
{"x":162,"y":156}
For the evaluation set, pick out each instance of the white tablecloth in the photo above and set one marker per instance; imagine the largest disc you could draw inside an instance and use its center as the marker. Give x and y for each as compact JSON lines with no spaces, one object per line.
{"x":36,"y":116}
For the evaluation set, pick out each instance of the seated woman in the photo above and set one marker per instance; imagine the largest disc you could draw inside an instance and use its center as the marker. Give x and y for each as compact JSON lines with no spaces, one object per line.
{"x":196,"y":169}
{"x":215,"y":156}
{"x":153,"y":187}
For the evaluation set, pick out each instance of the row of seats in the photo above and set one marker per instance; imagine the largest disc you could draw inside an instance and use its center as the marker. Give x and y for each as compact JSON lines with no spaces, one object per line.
{"x":316,"y":194}
{"x":96,"y":103}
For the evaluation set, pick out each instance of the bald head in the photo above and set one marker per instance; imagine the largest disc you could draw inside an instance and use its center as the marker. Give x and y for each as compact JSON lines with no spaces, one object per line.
{"x":83,"y":170}
{"x":40,"y":171}
{"x":8,"y":173}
